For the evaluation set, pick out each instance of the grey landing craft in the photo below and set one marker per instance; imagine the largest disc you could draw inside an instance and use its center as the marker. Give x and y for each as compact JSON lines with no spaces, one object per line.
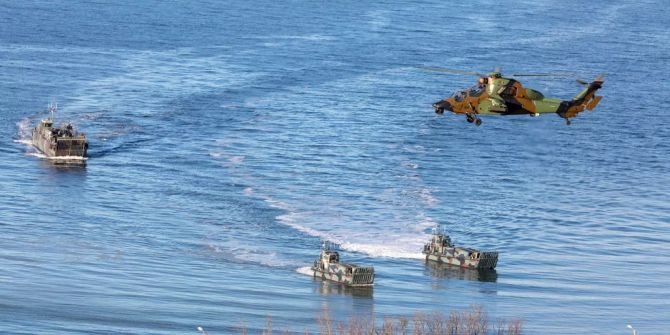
{"x":328,"y":267}
{"x":441,"y":249}
{"x":63,"y":143}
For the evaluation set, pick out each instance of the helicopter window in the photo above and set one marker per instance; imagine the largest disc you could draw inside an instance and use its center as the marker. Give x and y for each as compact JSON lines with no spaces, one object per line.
{"x":476,"y":90}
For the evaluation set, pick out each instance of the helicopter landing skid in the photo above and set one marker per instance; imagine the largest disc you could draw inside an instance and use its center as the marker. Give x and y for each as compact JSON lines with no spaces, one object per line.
{"x":471,"y":118}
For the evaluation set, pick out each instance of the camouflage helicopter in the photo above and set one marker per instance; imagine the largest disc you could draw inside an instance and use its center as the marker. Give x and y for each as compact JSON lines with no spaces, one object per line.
{"x":498,"y":95}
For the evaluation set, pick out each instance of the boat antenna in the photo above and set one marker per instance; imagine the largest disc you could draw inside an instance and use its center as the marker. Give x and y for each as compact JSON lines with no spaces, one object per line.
{"x":327,"y":245}
{"x":53,"y":106}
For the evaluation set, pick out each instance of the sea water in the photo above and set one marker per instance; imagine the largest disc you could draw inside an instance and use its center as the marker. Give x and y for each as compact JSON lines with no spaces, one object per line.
{"x":228,"y":139}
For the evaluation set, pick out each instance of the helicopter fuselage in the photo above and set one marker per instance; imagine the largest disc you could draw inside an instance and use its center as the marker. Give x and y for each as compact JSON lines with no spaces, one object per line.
{"x":508,"y":97}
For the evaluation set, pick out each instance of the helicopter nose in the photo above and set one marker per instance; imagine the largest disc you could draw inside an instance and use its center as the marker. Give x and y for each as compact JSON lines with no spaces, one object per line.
{"x":442,"y":105}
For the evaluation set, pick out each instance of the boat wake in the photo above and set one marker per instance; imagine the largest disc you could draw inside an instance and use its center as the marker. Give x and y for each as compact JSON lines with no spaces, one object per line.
{"x":240,"y":254}
{"x":305,"y":270}
{"x":391,"y":245}
{"x":394,"y":234}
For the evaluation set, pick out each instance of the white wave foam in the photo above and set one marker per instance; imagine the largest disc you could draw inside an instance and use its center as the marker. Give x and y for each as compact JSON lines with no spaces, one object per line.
{"x":24,"y":130}
{"x":305,"y":270}
{"x":57,"y":159}
{"x":37,"y":154}
{"x":68,"y":158}
{"x":276,"y":203}
{"x":26,"y":142}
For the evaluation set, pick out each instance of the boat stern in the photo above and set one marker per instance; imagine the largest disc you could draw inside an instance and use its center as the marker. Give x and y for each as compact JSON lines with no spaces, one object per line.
{"x":363,"y":276}
{"x":487,"y":260}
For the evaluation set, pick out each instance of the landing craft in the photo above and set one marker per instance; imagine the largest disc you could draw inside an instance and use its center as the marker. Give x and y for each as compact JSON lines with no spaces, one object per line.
{"x":498,"y":95}
{"x":328,"y":267}
{"x":441,"y":249}
{"x":63,"y":144}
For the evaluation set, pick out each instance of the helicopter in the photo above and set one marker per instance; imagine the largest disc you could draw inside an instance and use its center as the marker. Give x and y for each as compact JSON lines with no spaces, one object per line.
{"x":498,"y":95}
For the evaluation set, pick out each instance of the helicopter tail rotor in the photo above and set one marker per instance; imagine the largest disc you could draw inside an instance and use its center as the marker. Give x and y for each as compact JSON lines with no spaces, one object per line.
{"x":592,"y":87}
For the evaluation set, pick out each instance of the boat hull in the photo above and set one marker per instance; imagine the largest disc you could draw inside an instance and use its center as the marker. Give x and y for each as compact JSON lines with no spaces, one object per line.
{"x":361,"y":277}
{"x":71,"y":149}
{"x":487,"y":260}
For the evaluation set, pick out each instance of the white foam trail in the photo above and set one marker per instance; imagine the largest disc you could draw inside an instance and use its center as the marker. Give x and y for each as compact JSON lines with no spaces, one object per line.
{"x":270,"y":259}
{"x":390,"y":247}
{"x":264,"y":258}
{"x":305,"y":270}
{"x":381,"y":250}
{"x":426,"y":196}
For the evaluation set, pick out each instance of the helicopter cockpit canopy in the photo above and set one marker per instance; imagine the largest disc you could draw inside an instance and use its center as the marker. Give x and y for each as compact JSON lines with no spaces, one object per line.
{"x":476,"y":90}
{"x":473,"y":91}
{"x":459,"y":95}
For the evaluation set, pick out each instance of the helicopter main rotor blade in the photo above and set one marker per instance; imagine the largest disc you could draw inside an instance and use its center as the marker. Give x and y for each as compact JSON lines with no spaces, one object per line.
{"x":556,"y":74}
{"x":497,"y":69}
{"x":445,"y":70}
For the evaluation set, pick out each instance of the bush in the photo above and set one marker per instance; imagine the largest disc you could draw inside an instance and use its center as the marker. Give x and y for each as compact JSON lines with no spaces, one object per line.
{"x":473,"y":321}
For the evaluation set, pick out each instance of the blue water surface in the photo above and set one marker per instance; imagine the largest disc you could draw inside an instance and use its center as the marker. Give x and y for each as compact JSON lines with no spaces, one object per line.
{"x":228,"y":138}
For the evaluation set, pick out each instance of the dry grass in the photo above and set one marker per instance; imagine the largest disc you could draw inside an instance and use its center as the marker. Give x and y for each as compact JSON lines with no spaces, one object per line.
{"x":473,"y":321}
